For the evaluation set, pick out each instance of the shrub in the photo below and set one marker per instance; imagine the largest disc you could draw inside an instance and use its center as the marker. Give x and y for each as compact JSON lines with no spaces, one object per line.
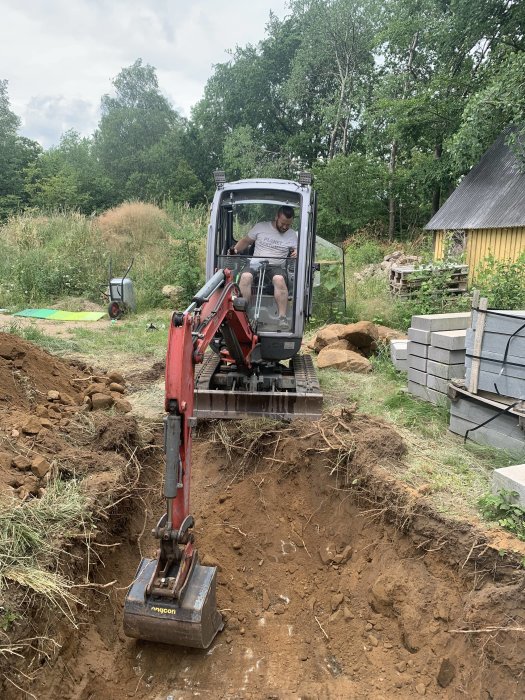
{"x":502,"y":282}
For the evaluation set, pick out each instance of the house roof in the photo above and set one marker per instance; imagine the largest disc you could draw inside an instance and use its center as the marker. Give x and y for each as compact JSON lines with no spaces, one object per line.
{"x":492,"y":195}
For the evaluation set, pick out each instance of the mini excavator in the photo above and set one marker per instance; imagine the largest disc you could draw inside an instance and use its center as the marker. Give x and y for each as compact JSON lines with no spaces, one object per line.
{"x":225,"y":359}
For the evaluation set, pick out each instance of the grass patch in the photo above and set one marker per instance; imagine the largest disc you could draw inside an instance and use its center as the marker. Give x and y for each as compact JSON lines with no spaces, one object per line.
{"x":134,"y":335}
{"x":31,"y":538}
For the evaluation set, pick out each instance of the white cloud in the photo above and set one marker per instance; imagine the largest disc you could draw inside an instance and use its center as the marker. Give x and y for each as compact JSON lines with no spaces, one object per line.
{"x":60,"y":56}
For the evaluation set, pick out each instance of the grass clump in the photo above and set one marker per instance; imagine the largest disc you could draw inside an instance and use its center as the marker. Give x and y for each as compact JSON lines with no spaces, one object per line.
{"x":31,"y":537}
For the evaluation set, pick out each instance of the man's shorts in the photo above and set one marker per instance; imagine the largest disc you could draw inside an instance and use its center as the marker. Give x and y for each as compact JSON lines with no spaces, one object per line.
{"x":270,"y":270}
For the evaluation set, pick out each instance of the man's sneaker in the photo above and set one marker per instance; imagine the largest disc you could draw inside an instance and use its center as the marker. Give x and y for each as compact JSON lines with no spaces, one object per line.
{"x":283,"y":323}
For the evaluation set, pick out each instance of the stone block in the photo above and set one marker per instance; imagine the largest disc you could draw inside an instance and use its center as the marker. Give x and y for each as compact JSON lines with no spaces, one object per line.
{"x":477,"y":412}
{"x":398,"y":349}
{"x":418,"y":349}
{"x":494,"y":344}
{"x":442,"y":322}
{"x":512,"y":387}
{"x":418,"y":390}
{"x":419,"y":336}
{"x":449,"y":340}
{"x":440,"y":369}
{"x":510,"y":479}
{"x":416,"y":362}
{"x":487,"y":436}
{"x":447,"y":357}
{"x":401,"y":365}
{"x":427,"y":394}
{"x":497,"y":321}
{"x":414,"y":375}
{"x":437,"y":383}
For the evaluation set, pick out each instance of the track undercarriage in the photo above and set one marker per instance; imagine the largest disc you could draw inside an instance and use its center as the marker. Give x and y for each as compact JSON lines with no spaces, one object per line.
{"x":275,"y":390}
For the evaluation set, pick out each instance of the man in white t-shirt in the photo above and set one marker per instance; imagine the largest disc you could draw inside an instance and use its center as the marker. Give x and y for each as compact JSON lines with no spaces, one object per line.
{"x":274,"y":241}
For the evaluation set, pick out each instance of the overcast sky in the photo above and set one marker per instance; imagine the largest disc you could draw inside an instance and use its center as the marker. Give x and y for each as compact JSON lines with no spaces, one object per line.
{"x":59,"y":56}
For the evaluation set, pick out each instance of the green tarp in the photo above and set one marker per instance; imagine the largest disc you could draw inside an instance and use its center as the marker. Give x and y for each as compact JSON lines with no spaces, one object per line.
{"x":55,"y":315}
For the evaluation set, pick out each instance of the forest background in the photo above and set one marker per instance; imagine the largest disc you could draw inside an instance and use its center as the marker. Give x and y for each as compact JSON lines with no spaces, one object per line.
{"x":388,"y":103}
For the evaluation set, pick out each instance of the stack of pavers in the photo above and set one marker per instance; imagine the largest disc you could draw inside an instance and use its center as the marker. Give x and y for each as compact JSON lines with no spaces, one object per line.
{"x":490,"y":405}
{"x":399,"y":354}
{"x":436,"y":354}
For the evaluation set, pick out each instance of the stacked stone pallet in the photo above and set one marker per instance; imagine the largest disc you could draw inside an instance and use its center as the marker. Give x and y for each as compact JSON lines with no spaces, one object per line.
{"x":436,"y":354}
{"x":405,"y":280}
{"x":489,"y":408}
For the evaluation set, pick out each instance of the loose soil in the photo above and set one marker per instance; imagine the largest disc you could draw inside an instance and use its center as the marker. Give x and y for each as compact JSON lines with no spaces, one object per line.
{"x":335,"y":580}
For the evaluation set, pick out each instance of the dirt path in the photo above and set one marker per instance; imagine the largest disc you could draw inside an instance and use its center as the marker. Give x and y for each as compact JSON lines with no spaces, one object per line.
{"x":334,"y":582}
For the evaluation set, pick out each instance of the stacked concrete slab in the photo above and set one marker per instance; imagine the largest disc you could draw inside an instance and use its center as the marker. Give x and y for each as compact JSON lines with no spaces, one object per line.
{"x":487,"y":423}
{"x":500,"y":354}
{"x":399,"y":354}
{"x":436,"y":354}
{"x":490,"y":406}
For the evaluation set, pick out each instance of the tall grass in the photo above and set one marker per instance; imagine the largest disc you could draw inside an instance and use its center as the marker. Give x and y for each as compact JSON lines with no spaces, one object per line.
{"x":46,"y":258}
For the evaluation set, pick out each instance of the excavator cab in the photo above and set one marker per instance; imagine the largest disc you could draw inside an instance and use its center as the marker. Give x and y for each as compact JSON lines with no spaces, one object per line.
{"x":236,"y":208}
{"x":282,"y":383}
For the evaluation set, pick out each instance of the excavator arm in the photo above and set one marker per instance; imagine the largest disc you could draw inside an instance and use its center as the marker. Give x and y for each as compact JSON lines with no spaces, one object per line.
{"x":172,"y":598}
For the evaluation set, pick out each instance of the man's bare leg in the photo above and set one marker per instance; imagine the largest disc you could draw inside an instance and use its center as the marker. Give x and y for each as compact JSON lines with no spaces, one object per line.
{"x":245,"y":285}
{"x":280,"y":294}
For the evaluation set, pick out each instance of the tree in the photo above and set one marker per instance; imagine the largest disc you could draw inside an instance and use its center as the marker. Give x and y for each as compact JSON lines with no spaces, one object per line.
{"x":69,"y":176}
{"x":133,"y":121}
{"x":16,"y":154}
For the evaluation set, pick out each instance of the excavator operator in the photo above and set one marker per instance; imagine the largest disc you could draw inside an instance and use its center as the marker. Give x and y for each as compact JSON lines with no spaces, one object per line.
{"x":275,"y":241}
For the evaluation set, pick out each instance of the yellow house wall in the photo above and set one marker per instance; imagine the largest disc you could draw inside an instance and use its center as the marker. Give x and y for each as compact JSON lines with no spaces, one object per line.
{"x":502,"y":243}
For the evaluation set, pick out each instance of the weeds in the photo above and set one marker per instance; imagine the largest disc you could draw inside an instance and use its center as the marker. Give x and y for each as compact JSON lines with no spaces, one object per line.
{"x":504,"y":509}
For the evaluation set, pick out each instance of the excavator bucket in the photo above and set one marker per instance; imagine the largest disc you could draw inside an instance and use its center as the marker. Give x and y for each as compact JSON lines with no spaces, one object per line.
{"x":192,"y":622}
{"x":299,"y":396}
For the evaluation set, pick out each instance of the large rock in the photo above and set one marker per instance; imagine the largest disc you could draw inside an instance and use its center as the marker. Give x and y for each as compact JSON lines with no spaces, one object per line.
{"x":101,"y":401}
{"x":343,"y":359}
{"x":328,"y":335}
{"x":386,"y":334}
{"x":361,"y":334}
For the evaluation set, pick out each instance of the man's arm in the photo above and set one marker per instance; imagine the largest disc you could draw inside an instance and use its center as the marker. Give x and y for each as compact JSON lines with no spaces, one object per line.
{"x":241,"y":245}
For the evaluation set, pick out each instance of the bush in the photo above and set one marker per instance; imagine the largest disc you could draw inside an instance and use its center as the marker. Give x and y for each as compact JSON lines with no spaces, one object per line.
{"x":502,"y":282}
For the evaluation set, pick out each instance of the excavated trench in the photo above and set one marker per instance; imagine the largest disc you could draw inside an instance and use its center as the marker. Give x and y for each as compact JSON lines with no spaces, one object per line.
{"x":335,"y":581}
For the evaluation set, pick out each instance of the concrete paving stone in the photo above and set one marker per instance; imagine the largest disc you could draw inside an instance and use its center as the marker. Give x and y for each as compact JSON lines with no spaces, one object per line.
{"x":437,"y":383}
{"x":429,"y":395}
{"x":442,"y":322}
{"x":510,"y":479}
{"x":419,"y":336}
{"x":449,"y":340}
{"x":487,"y":436}
{"x":415,"y":375}
{"x":398,"y":349}
{"x":491,"y":362}
{"x":495,"y":343}
{"x":415,"y":362}
{"x":477,"y":412}
{"x":511,"y":387}
{"x":418,"y":349}
{"x":447,"y":357}
{"x":506,"y":322}
{"x":401,"y":365}
{"x":440,"y":369}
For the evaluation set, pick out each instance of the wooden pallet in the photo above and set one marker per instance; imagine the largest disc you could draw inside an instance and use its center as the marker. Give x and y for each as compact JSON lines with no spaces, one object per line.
{"x":405,"y":280}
